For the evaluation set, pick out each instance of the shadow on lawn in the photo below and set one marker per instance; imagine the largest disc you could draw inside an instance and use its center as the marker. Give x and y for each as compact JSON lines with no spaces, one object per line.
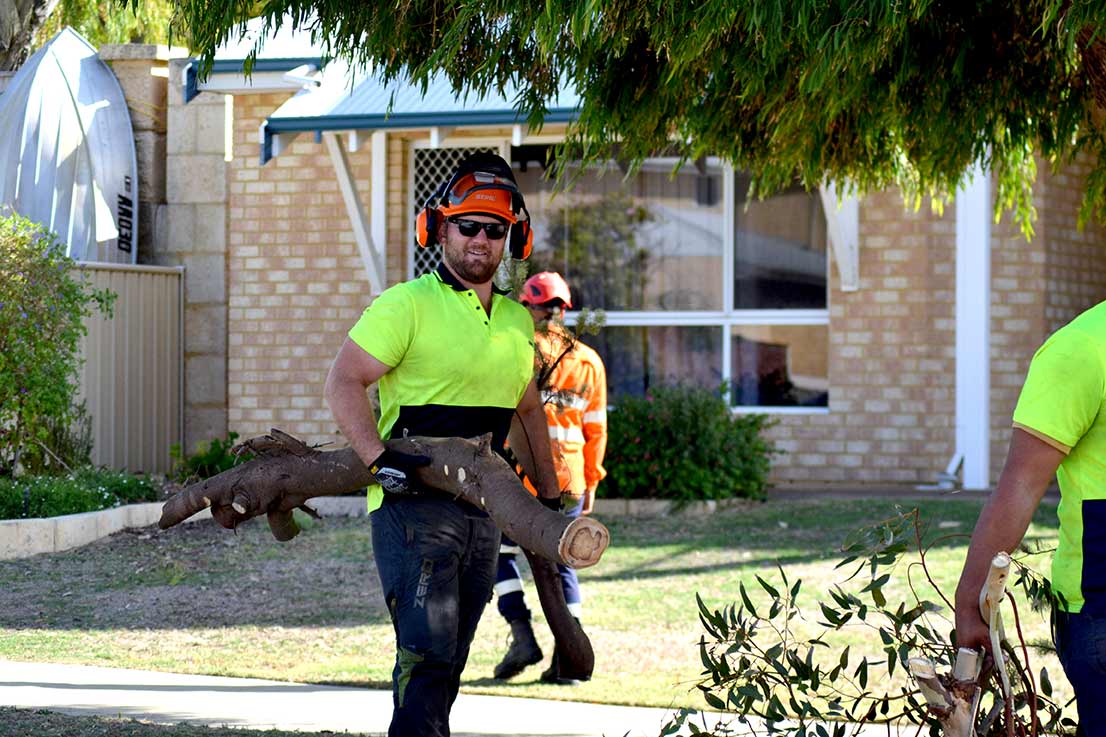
{"x":200,"y":576}
{"x":787,"y":533}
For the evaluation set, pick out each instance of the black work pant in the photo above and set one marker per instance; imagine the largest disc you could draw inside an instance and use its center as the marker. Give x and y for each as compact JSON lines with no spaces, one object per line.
{"x":1081,"y":644}
{"x":436,"y":558}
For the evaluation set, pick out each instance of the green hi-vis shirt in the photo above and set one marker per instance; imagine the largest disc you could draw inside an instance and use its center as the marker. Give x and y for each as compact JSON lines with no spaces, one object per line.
{"x":456,"y":370}
{"x":1063,"y":399}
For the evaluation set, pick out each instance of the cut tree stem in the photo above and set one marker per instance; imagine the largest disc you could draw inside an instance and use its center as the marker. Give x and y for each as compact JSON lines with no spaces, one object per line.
{"x":287,"y":473}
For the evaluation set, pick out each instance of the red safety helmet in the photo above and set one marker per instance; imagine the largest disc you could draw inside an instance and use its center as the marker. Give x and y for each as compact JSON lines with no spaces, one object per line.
{"x":546,"y":287}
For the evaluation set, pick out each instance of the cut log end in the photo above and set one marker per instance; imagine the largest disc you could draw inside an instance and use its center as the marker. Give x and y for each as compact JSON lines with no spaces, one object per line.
{"x":583,"y":542}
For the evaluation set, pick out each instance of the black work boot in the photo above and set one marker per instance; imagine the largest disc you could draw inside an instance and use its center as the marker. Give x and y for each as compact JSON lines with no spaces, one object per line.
{"x":523,"y":651}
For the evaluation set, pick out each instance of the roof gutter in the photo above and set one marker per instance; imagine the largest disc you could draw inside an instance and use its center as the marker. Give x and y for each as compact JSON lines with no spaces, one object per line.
{"x":229,"y":76}
{"x":273,"y":128}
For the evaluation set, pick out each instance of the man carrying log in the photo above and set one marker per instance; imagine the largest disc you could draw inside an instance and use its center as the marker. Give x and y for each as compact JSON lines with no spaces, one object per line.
{"x":1059,"y":430}
{"x":453,"y":357}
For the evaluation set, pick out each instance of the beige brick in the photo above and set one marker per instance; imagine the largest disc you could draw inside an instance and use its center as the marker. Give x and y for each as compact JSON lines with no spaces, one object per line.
{"x":110,"y":521}
{"x":144,"y":515}
{"x":205,"y":380}
{"x":26,"y":537}
{"x":181,"y":130}
{"x":210,"y":229}
{"x":210,"y":130}
{"x":205,"y":278}
{"x":201,"y":424}
{"x":181,"y":228}
{"x":197,"y":178}
{"x":150,"y":158}
{"x":205,"y":329}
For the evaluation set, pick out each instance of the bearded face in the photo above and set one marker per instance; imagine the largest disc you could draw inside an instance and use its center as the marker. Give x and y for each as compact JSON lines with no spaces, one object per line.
{"x":474,"y":259}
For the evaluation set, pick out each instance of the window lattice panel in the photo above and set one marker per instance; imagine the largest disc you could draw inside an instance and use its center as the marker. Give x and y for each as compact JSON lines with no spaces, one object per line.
{"x":433,"y":167}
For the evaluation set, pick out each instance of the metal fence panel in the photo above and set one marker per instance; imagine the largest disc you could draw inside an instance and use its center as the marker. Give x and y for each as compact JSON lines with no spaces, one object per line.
{"x":132,"y":379}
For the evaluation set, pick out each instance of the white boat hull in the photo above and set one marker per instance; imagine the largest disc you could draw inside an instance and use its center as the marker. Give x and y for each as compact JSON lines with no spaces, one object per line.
{"x":67,"y":155}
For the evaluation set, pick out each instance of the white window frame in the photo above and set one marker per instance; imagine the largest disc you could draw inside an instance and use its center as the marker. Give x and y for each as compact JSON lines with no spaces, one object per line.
{"x":724,"y":320}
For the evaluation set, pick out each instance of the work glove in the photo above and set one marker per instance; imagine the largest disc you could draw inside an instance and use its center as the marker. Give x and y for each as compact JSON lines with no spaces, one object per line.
{"x":394,"y":471}
{"x":553,"y":503}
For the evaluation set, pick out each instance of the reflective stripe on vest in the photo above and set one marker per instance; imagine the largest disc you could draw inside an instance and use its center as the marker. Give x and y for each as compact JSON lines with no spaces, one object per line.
{"x":566,"y":434}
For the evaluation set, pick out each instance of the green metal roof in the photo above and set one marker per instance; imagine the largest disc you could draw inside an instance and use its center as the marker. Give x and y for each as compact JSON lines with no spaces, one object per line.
{"x":342,"y":102}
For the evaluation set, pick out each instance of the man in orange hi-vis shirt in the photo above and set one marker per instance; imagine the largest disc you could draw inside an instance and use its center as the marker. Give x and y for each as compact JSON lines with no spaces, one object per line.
{"x":573,"y":384}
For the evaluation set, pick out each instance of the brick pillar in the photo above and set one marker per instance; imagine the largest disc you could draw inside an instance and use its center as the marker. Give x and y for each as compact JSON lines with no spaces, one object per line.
{"x":196,"y":237}
{"x":142,"y":71}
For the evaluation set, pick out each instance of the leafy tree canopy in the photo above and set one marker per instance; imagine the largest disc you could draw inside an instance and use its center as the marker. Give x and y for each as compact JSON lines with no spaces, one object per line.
{"x":864,"y":93}
{"x":109,"y":22}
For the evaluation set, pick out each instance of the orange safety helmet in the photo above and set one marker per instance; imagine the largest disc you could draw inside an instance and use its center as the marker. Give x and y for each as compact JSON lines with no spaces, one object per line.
{"x":546,"y":287}
{"x":482,"y":184}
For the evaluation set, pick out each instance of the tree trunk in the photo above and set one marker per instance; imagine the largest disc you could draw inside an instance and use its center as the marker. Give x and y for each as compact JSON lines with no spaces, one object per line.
{"x":19,"y":20}
{"x":287,"y":473}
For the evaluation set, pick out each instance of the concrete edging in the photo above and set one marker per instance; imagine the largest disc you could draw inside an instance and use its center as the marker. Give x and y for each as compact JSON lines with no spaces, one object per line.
{"x":21,"y":538}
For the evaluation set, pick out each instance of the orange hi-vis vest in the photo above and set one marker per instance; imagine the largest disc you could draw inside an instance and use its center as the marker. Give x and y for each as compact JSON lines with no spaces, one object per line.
{"x":575,"y":400}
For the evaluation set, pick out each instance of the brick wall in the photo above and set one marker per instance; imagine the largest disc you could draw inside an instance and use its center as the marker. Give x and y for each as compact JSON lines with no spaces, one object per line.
{"x":194,"y":221}
{"x":295,"y":279}
{"x":891,"y":359}
{"x":892,"y":343}
{"x":1075,"y":270}
{"x":1017,"y":315}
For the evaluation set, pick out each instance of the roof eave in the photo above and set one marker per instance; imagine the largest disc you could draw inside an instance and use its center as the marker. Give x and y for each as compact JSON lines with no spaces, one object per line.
{"x":454,"y":119}
{"x":229,"y":75}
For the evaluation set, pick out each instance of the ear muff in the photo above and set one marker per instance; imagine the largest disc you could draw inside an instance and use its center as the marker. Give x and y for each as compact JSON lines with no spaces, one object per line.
{"x":430,"y":218}
{"x":522,"y":240}
{"x":426,"y":226}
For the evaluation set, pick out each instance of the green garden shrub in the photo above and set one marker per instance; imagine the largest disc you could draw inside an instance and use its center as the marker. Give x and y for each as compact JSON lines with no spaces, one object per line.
{"x":684,"y":443}
{"x":210,"y":459}
{"x":67,"y":445}
{"x":85,"y":490}
{"x":43,"y":303}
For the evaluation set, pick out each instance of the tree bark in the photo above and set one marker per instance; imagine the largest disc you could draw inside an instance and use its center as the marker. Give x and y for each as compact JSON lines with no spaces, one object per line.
{"x":287,"y":473}
{"x":19,"y":20}
{"x":952,"y":701}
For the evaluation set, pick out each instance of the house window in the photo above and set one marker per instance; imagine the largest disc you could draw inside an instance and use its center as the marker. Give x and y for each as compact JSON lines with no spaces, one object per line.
{"x":699,"y":286}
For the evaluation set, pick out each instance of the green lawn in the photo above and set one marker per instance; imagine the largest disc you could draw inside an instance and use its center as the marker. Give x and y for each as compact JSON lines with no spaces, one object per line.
{"x":199,"y":599}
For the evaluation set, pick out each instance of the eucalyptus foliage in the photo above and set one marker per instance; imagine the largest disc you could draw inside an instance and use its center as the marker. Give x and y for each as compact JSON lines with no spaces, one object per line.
{"x":757,"y":665}
{"x":864,"y":93}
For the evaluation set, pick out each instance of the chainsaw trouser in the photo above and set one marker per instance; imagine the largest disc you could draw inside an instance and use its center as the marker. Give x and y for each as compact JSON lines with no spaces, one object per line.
{"x":436,"y":561}
{"x":1081,"y":645}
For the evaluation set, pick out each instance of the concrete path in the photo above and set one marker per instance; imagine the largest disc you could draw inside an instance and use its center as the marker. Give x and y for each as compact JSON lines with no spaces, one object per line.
{"x":239,"y":702}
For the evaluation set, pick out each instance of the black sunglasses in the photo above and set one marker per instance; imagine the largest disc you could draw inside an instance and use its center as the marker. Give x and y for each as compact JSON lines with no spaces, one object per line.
{"x":469,"y":228}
